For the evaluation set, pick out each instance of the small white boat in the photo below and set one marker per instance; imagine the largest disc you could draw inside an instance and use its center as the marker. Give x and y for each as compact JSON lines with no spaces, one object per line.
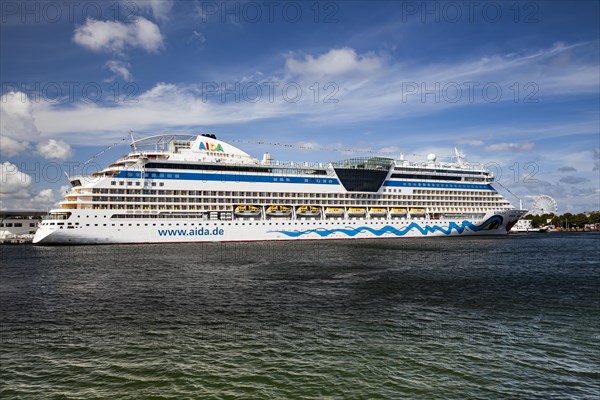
{"x":377,"y":212}
{"x":308,"y":211}
{"x":279,"y":211}
{"x":417,"y":212}
{"x":247,"y":211}
{"x":356,"y":212}
{"x":334,"y":212}
{"x":398,"y":212}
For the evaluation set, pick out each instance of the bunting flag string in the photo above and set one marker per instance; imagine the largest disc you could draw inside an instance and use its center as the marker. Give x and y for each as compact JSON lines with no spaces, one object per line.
{"x":318,"y":148}
{"x":278,"y":144}
{"x":103,"y":151}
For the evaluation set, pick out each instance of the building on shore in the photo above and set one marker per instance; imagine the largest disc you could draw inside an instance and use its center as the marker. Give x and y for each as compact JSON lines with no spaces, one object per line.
{"x":526,"y":225}
{"x":20,"y":224}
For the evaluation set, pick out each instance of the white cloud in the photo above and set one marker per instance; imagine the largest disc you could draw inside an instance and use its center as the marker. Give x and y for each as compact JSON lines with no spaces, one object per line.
{"x":512,"y":147}
{"x":9,"y":147}
{"x":16,"y":116}
{"x":391,"y":151}
{"x":160,"y":9}
{"x":14,"y":183}
{"x":308,"y":145}
{"x":362,"y":97}
{"x":164,"y":91}
{"x":17,"y":191}
{"x":18,"y":129}
{"x":115,"y":36}
{"x":475,"y":143}
{"x":334,"y":62}
{"x":17,"y":124}
{"x":198,"y":37}
{"x":55,"y":150}
{"x":566,"y":169}
{"x":573,"y":180}
{"x":45,"y":196}
{"x":119,"y":68}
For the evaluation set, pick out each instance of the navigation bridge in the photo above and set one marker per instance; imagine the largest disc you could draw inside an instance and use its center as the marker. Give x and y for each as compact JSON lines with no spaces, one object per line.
{"x":363,"y":174}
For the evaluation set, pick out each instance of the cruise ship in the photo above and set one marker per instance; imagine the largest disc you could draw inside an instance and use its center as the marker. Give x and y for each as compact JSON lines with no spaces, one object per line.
{"x":189,"y":188}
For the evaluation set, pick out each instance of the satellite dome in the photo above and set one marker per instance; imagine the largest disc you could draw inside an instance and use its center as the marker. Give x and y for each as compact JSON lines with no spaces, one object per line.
{"x":431,"y":157}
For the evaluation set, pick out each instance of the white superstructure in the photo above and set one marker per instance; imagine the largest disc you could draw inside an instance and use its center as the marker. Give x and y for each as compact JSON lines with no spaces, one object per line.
{"x":182,"y":188}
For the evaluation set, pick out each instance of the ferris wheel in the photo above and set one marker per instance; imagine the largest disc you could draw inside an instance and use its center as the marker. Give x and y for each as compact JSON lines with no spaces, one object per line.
{"x":543,"y":204}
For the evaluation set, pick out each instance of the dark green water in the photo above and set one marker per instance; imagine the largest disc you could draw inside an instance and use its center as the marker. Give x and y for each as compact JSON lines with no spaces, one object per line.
{"x":512,"y":317}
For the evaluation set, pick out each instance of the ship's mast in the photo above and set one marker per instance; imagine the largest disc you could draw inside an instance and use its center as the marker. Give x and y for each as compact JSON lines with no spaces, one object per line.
{"x":132,"y":141}
{"x":459,"y":156}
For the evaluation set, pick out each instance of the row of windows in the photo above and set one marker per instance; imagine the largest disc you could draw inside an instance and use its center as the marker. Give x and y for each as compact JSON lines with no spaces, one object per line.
{"x":120,"y":199}
{"x":284,"y":194}
{"x":440,"y":171}
{"x":229,"y":168}
{"x":76,"y":225}
{"x":427,"y":177}
{"x":15,"y":224}
{"x":132,"y":183}
{"x":169,"y":207}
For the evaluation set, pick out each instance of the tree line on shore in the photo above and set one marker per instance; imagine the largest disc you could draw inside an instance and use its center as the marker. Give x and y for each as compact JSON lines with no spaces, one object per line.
{"x":566,"y":220}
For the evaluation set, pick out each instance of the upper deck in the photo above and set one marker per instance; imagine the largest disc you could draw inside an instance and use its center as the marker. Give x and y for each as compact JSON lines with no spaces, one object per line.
{"x":206,"y":152}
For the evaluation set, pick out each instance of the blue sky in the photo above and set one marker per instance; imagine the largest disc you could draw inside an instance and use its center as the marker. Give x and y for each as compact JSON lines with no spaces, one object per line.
{"x":514,"y":85}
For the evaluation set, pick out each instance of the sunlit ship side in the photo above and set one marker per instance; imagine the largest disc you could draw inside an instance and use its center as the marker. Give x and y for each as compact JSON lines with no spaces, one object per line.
{"x":182,"y":188}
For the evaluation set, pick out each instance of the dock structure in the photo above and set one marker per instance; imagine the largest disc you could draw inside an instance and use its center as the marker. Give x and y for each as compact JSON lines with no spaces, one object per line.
{"x":19,"y":226}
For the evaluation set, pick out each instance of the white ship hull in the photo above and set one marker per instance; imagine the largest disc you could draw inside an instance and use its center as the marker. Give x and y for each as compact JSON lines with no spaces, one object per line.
{"x":104,"y":230}
{"x":180,"y":188}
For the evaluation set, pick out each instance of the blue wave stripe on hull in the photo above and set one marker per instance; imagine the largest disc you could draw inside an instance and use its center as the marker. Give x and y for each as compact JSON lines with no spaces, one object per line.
{"x":491,"y":223}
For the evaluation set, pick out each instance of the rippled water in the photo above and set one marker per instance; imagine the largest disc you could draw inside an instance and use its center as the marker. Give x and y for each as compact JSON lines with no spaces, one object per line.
{"x":511,"y":317}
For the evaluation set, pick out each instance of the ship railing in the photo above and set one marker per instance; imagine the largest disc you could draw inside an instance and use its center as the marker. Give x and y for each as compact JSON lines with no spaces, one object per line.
{"x":294,"y":164}
{"x":60,"y":216}
{"x":465,"y":166}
